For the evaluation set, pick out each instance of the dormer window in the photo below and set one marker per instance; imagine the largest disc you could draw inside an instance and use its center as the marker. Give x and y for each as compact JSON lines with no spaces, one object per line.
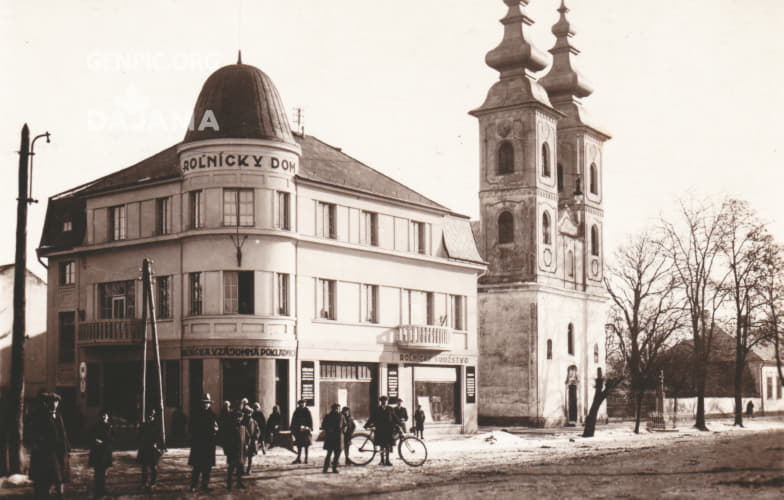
{"x":545,"y":160}
{"x":505,"y":159}
{"x":67,"y":225}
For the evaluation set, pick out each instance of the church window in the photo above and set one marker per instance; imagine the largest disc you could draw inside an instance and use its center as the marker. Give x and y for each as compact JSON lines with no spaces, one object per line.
{"x":594,"y":179}
{"x":594,"y":240}
{"x":545,"y":160}
{"x":560,"y":179}
{"x":505,"y":159}
{"x":570,"y":339}
{"x":570,"y":264}
{"x":546,"y":237}
{"x":505,"y":228}
{"x":549,"y":349}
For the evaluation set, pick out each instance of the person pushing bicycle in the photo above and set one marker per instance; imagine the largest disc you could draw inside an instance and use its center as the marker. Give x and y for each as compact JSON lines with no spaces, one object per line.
{"x":384,"y":420}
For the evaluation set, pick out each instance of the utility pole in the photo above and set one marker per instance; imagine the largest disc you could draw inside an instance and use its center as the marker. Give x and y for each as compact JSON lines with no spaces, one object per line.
{"x":148,"y":306}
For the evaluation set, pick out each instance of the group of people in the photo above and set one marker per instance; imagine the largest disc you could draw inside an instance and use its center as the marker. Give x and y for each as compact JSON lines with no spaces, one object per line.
{"x":241,"y":430}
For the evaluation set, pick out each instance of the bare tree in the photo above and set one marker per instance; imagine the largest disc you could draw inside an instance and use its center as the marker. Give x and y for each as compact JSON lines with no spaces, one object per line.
{"x":645,"y":310}
{"x":744,"y":244}
{"x":693,"y":247}
{"x":771,"y":290}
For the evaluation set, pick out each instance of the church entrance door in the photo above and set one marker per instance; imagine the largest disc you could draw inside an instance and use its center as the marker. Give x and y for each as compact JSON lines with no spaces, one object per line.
{"x":572,"y":403}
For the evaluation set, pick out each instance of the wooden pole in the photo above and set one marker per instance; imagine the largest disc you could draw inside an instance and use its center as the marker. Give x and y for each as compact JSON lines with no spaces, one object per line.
{"x":16,"y":396}
{"x":147,"y":273}
{"x":144,"y":347}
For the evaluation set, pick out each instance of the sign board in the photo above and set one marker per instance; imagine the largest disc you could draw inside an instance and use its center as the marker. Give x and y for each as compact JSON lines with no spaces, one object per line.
{"x":392,"y":381}
{"x":470,"y":384}
{"x":307,"y":381}
{"x":236,"y":160}
{"x":240,"y":351}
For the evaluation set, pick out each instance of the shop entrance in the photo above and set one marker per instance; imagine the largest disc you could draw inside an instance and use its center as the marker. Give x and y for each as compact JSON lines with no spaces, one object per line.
{"x":437,"y":389}
{"x":282,"y":390}
{"x":239,"y":379}
{"x":348,"y":384}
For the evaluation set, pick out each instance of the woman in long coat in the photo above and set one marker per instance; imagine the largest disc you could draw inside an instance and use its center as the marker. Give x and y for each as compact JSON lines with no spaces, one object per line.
{"x":301,"y":427}
{"x":49,"y":447}
{"x":273,"y":425}
{"x":236,"y":446}
{"x":151,"y":448}
{"x":204,"y":432}
{"x":333,"y":426}
{"x":101,"y":437}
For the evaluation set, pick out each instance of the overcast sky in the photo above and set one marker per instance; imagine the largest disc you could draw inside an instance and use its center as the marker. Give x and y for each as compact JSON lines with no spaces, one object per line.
{"x":691,"y":90}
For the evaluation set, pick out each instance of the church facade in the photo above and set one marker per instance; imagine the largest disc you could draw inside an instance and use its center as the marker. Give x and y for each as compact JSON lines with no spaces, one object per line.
{"x":541,"y":301}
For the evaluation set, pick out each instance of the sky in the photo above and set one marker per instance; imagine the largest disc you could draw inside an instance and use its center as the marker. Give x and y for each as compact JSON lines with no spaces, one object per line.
{"x":690,"y":90}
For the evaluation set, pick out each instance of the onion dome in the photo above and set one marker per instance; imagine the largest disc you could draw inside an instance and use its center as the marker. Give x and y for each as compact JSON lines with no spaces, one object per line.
{"x":516,"y":55}
{"x":239,"y":101}
{"x":564,"y":82}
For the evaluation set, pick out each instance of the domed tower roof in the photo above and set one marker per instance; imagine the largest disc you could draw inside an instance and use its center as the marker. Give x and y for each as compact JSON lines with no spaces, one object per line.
{"x":239,"y":101}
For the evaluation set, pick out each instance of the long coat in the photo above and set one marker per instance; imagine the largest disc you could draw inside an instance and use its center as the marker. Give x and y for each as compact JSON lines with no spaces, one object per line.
{"x":348,"y":429}
{"x":101,"y":437}
{"x":301,"y":418}
{"x":384,"y":419}
{"x":49,"y":449}
{"x":236,"y":439}
{"x":419,"y":419}
{"x":333,"y":426}
{"x":254,"y":434}
{"x":204,"y":432}
{"x":151,"y":446}
{"x":261,"y":422}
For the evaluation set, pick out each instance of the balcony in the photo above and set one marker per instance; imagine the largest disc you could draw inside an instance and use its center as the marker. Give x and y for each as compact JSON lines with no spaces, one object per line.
{"x":112,"y":332}
{"x":425,"y":337}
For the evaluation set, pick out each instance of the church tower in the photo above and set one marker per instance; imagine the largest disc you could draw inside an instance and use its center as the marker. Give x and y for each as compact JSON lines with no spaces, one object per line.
{"x":541,"y":299}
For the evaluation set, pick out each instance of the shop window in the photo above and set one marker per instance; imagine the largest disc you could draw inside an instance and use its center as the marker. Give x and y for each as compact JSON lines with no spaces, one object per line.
{"x":418,"y":237}
{"x":67,"y":272}
{"x":67,"y":348}
{"x":283,"y":294}
{"x":546,"y":230}
{"x":284,"y":210}
{"x":549,"y":349}
{"x":545,"y":160}
{"x":505,"y":228}
{"x":570,"y":264}
{"x":326,"y":299}
{"x":117,"y":300}
{"x":327,"y":220}
{"x":196,"y":293}
{"x":238,"y":207}
{"x":118,"y":223}
{"x":570,"y":339}
{"x":93,"y":389}
{"x":195,"y":211}
{"x":560,"y":178}
{"x":593,"y":179}
{"x":163,"y":296}
{"x":370,"y":226}
{"x":437,"y":389}
{"x":370,"y":299}
{"x":505,"y":159}
{"x":172,"y":387}
{"x":594,"y":241}
{"x":238,"y":292}
{"x":162,"y":216}
{"x":458,"y":312}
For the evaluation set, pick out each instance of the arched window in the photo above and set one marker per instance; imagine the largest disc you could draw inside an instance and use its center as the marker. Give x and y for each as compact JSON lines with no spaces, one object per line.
{"x":596,"y":354}
{"x":546,"y":238}
{"x":505,"y":228}
{"x":594,"y":240}
{"x":545,"y":160}
{"x":549,"y":349}
{"x":505,"y":159}
{"x":559,"y":174}
{"x":593,"y":183}
{"x":570,"y":339}
{"x":570,"y":264}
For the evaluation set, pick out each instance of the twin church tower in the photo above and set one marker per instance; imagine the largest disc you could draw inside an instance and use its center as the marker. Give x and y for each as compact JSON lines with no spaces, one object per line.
{"x":541,"y":301}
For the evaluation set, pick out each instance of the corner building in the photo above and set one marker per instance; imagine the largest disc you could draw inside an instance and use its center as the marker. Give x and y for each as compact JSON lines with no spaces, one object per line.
{"x":283,"y":269}
{"x":541,"y":301}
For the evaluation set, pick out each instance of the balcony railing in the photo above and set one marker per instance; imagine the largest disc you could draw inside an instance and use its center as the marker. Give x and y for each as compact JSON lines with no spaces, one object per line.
{"x":112,"y":332}
{"x":435,"y":338}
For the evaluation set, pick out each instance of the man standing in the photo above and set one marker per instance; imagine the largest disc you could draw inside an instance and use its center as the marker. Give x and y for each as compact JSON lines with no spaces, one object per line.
{"x":348,"y":431}
{"x":100,"y":457}
{"x":235,"y":446}
{"x":401,"y":413}
{"x":49,"y":448}
{"x":258,"y":416}
{"x":301,"y":426}
{"x":151,"y":449}
{"x":253,"y":437}
{"x":333,"y":426}
{"x":204,"y":431}
{"x":384,"y":420}
{"x":419,"y":422}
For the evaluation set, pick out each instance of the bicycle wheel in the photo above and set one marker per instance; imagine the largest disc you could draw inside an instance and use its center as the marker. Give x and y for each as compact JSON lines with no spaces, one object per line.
{"x":362,"y":449}
{"x":412,"y":451}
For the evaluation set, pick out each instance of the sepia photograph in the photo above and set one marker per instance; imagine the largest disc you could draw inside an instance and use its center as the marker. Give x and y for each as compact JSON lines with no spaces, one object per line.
{"x":515,"y":249}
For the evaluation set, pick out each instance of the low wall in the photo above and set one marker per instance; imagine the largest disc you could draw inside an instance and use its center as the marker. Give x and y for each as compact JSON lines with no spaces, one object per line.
{"x":713,"y":406}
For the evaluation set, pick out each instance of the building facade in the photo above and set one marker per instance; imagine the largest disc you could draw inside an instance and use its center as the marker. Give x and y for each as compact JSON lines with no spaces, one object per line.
{"x":541,"y":302}
{"x":284,"y":269}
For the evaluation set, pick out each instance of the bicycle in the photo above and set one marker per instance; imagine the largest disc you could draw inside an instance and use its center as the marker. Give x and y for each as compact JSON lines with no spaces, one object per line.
{"x":410,"y":449}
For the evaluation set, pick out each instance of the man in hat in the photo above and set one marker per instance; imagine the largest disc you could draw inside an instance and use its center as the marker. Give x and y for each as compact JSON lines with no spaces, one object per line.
{"x":236,"y":446}
{"x":204,"y":431}
{"x":401,"y":413}
{"x":333,"y":426}
{"x":100,"y":457}
{"x":384,"y":420}
{"x":49,"y":448}
{"x":301,"y":426}
{"x":151,"y":449}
